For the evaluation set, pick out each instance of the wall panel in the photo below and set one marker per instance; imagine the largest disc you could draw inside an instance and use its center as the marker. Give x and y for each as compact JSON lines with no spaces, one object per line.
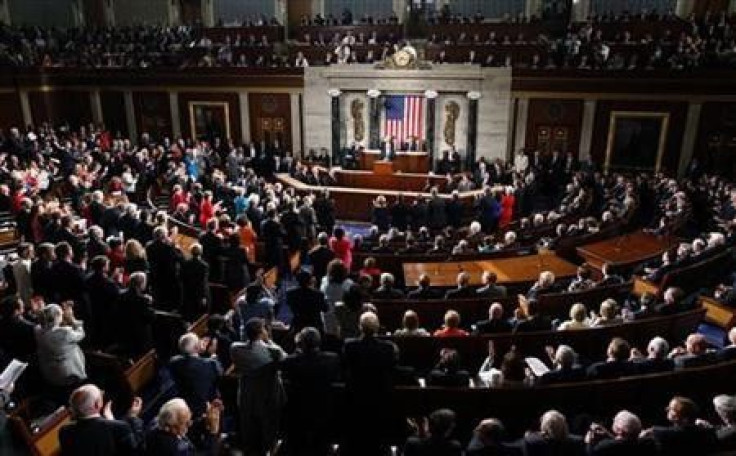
{"x":270,"y":117}
{"x":60,"y":107}
{"x":11,"y":114}
{"x":153,"y":113}
{"x":231,"y":99}
{"x":113,"y":111}
{"x":42,"y":12}
{"x":557,"y":116}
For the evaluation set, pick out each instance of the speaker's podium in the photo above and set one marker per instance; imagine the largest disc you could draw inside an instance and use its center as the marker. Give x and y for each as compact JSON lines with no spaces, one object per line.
{"x":383,"y":167}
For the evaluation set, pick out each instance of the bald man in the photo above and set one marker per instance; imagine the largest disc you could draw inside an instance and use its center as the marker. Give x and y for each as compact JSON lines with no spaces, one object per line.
{"x":94,"y":430}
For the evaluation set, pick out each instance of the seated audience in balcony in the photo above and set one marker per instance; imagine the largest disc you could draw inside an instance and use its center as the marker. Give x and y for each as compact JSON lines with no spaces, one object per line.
{"x":386,"y":289}
{"x":451,"y":328}
{"x":608,"y":314}
{"x":495,"y":324}
{"x":673,"y":302}
{"x":582,"y":280}
{"x":489,"y":439}
{"x":410,"y":326}
{"x":565,"y":366}
{"x":608,"y":278}
{"x":729,"y":352}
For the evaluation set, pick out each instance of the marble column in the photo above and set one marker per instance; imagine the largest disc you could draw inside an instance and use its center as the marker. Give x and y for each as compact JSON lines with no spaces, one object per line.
{"x":684,"y":8}
{"x":732,"y":6}
{"x":473,"y":98}
{"x":581,"y":9}
{"x":130,"y":116}
{"x":318,"y":7}
{"x":374,"y":119}
{"x":522,"y":116}
{"x":208,"y":13}
{"x":175,"y":115}
{"x":25,"y":107}
{"x":586,"y":130}
{"x":431,"y":96}
{"x":533,"y":8}
{"x":689,"y":137}
{"x":5,"y":12}
{"x":96,"y":106}
{"x":296,"y":124}
{"x":244,"y":116}
{"x":335,"y":123}
{"x":109,"y":12}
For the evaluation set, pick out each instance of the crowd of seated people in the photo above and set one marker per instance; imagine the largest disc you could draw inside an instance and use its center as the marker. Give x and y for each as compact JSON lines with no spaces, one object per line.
{"x":105,"y":256}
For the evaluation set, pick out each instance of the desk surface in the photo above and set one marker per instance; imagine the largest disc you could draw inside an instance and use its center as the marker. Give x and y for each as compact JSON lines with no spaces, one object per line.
{"x":626,"y":250}
{"x":516,"y":270}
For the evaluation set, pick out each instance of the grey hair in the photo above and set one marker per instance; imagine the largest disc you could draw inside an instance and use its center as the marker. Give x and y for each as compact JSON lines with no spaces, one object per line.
{"x":627,"y":424}
{"x":658,"y":347}
{"x":553,"y":425}
{"x":565,"y":356}
{"x":170,"y":412}
{"x":189,"y":343}
{"x":52,"y":316}
{"x":83,"y":401}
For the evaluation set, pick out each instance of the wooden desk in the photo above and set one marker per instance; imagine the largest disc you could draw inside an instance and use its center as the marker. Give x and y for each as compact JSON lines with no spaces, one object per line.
{"x":626,"y":251}
{"x":407,"y":162}
{"x":510,"y":271}
{"x":402,"y":182}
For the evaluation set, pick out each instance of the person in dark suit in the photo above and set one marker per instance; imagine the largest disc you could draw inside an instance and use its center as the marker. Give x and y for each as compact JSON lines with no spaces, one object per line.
{"x":656,"y":360}
{"x":694,"y":354}
{"x":95,"y":432}
{"x":423,"y":290}
{"x":553,"y":438}
{"x":437,"y":210}
{"x":42,"y":271}
{"x":490,"y":289}
{"x":388,"y":149}
{"x":622,"y":440}
{"x":386,"y":289}
{"x":68,"y":278}
{"x":237,"y":268}
{"x":309,"y":375}
{"x":495,"y":324}
{"x":272,"y":233}
{"x":565,"y":369}
{"x":616,"y":365}
{"x":66,"y":234}
{"x":102,"y":295}
{"x":437,"y":438}
{"x":135,"y":317}
{"x":195,"y":284}
{"x":463,"y":289}
{"x":729,"y":352}
{"x":169,"y":435}
{"x":320,"y":256}
{"x":530,"y":319}
{"x":725,"y":406}
{"x":683,"y":436}
{"x":212,"y":248}
{"x":164,"y":260}
{"x":488,"y":440}
{"x":306,"y":303}
{"x":17,"y":335}
{"x":369,"y":366}
{"x":608,"y":278}
{"x":447,"y":372}
{"x":195,"y":376}
{"x":95,"y":245}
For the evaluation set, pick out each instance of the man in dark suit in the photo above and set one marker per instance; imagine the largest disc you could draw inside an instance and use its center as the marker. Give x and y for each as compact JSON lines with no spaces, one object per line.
{"x":17,"y":335}
{"x":657,"y":358}
{"x":95,"y":431}
{"x":565,"y":370}
{"x":102,"y":294}
{"x":726,"y":408}
{"x":68,"y":278}
{"x":165,"y":260}
{"x":306,"y":304}
{"x":694,"y":354}
{"x":212,"y":250}
{"x":369,"y":365}
{"x":490,"y":289}
{"x":386,"y":289}
{"x":42,"y":275}
{"x":683,"y":436}
{"x":553,"y":438}
{"x":622,"y":440}
{"x":195,"y":284}
{"x":195,"y":376}
{"x":309,"y":375}
{"x":273,"y":234}
{"x":617,"y":363}
{"x":423,"y":290}
{"x":608,"y":278}
{"x":388,"y":149}
{"x":495,"y":324}
{"x":531,"y":319}
{"x":463,"y":289}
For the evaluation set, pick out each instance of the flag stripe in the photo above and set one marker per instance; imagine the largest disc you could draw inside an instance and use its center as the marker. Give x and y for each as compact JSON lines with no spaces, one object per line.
{"x":404,"y":118}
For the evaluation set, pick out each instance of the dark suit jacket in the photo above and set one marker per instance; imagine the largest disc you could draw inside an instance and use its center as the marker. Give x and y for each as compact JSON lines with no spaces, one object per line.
{"x":103,"y":294}
{"x":493,"y":326}
{"x":387,"y":293}
{"x":307,"y":305}
{"x":422,"y":293}
{"x":42,"y":276}
{"x":369,"y":365}
{"x":101,"y":437}
{"x":17,"y":338}
{"x":685,"y":440}
{"x":651,"y":366}
{"x":618,"y":447}
{"x":162,"y":443}
{"x":727,"y":353}
{"x":134,"y":323}
{"x":576,"y":374}
{"x":319,"y":257}
{"x":537,"y":323}
{"x":459,"y":293}
{"x":212,"y":250}
{"x":535,"y":445}
{"x":429,"y":446}
{"x":195,"y":287}
{"x":68,"y":281}
{"x":726,"y":438}
{"x":196,"y":380}
{"x":492,"y":291}
{"x":686,"y":361}
{"x":612,"y":369}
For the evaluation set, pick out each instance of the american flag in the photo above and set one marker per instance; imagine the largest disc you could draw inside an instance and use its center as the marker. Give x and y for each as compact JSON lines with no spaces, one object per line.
{"x":404,"y":118}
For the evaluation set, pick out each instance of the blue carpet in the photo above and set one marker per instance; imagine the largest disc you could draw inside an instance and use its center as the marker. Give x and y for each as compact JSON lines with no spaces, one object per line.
{"x":714,"y":335}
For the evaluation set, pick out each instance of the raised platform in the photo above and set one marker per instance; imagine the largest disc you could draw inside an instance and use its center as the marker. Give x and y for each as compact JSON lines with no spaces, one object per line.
{"x":407,"y":162}
{"x":357,"y":189}
{"x":510,"y":271}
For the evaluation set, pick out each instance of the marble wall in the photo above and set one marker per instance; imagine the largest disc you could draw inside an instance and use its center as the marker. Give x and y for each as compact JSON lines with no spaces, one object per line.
{"x":452,"y":82}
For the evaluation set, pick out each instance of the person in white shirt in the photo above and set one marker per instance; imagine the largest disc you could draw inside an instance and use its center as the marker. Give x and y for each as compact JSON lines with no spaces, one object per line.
{"x":521,"y":162}
{"x":301,"y":61}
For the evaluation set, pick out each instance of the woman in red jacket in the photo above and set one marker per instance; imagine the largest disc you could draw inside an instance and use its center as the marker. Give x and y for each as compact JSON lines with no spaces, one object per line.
{"x":206,"y":208}
{"x":508,"y":201}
